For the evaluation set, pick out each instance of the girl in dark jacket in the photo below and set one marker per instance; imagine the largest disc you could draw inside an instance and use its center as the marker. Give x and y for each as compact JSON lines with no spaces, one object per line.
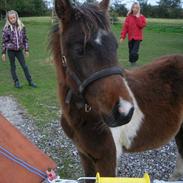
{"x":14,"y":41}
{"x":133,"y":26}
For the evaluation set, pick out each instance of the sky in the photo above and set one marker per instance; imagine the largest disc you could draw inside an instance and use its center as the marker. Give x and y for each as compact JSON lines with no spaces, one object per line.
{"x":153,"y":2}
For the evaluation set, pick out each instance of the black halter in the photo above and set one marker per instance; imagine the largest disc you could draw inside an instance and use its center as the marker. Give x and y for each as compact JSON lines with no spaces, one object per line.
{"x":82,"y":85}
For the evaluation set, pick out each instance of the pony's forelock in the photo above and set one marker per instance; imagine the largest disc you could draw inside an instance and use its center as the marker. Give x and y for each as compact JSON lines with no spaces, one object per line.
{"x":90,"y":18}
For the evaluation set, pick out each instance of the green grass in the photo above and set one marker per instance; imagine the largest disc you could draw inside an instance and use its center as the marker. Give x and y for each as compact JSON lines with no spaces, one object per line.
{"x":155,"y":44}
{"x":160,"y":20}
{"x":161,"y":37}
{"x":162,"y":25}
{"x":41,"y":103}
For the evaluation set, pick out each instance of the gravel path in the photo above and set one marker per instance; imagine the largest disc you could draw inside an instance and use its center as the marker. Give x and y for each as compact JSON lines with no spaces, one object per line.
{"x":52,"y":140}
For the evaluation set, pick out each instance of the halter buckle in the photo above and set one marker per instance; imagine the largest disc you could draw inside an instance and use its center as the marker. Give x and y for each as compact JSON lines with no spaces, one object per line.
{"x":64,"y":61}
{"x":87,"y":108}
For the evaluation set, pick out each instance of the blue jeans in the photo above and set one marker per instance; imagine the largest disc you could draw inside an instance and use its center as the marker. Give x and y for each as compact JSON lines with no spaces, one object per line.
{"x":20,"y":57}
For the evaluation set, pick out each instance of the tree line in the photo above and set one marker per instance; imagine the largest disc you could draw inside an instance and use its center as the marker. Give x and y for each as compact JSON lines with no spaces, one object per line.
{"x":25,"y":7}
{"x":163,"y":9}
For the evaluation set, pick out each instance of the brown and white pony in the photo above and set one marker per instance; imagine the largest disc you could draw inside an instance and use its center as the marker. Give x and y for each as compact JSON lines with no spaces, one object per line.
{"x":107,"y":110}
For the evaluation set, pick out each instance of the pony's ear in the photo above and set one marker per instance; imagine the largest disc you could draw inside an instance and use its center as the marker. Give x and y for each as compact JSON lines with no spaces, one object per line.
{"x":104,"y":5}
{"x":63,"y":8}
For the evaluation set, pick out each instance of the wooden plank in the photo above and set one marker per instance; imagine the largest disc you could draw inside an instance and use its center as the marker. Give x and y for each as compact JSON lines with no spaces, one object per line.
{"x":15,"y":142}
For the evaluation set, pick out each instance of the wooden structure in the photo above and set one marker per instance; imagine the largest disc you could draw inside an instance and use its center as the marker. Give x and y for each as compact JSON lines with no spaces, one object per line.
{"x":16,"y":143}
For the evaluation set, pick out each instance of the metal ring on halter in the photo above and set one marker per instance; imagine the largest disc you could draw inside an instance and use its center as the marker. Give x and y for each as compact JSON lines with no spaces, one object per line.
{"x":64,"y":61}
{"x":87,"y":108}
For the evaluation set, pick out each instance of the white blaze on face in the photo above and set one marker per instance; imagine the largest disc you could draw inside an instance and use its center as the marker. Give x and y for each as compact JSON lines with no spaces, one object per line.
{"x":124,"y":106}
{"x":100,"y":33}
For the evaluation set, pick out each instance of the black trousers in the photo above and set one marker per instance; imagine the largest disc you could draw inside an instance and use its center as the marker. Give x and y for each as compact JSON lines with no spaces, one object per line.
{"x":133,"y":46}
{"x":21,"y":59}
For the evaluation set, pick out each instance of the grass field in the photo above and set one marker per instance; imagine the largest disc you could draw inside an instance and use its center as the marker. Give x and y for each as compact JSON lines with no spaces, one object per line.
{"x":41,"y":103}
{"x":161,"y":37}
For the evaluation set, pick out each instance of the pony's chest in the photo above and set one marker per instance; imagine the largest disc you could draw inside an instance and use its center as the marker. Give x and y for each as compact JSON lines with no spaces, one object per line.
{"x":124,"y":135}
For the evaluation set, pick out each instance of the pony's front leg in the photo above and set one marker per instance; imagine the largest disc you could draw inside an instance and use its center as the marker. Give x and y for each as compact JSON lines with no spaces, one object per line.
{"x":106,"y":166}
{"x":95,"y":141}
{"x":88,"y":166}
{"x":106,"y":163}
{"x":99,"y":157}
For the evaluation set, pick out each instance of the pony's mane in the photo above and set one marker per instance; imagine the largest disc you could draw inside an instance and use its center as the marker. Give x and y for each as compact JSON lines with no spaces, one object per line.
{"x":91,"y":18}
{"x":54,"y":41}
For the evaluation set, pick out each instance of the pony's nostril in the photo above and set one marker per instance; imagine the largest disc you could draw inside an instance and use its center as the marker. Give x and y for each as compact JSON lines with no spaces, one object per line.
{"x":123,"y":112}
{"x":130,"y":114}
{"x":120,"y":115}
{"x":124,"y":107}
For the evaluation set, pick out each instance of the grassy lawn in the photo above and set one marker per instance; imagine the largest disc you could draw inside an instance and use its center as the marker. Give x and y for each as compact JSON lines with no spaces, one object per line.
{"x":157,"y":42}
{"x":161,"y":37}
{"x":41,"y":102}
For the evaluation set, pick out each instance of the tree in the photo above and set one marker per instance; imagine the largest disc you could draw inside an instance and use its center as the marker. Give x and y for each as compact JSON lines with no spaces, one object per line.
{"x":24,"y":7}
{"x":3,"y":4}
{"x":170,"y":9}
{"x":170,"y":3}
{"x":145,"y":7}
{"x":119,"y":8}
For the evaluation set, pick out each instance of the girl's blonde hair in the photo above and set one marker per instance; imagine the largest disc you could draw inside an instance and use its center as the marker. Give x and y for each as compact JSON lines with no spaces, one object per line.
{"x":131,"y":9}
{"x":19,"y":22}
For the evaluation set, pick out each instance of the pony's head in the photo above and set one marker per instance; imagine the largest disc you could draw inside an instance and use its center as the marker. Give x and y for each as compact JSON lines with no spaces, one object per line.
{"x":90,"y":52}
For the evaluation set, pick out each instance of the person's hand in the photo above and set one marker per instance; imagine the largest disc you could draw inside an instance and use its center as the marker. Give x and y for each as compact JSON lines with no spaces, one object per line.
{"x":4,"y":57}
{"x":26,"y":53}
{"x":121,"y":40}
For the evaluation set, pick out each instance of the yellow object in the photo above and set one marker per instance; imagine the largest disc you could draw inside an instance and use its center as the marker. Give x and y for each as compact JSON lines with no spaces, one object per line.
{"x":99,"y":179}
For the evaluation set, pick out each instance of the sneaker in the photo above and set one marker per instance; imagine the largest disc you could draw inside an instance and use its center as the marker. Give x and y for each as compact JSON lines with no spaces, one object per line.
{"x":31,"y":83}
{"x":17,"y":84}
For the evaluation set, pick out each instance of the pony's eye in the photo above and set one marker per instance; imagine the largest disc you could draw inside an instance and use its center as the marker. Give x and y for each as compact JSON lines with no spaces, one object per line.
{"x":78,"y":50}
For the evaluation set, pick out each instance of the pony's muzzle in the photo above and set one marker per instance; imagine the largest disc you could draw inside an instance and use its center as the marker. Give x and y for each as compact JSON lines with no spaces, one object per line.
{"x":122,"y":113}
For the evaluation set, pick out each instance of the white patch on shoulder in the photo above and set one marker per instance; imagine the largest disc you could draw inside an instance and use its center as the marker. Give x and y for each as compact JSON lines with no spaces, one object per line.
{"x":116,"y":133}
{"x":124,"y":135}
{"x":100,"y":33}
